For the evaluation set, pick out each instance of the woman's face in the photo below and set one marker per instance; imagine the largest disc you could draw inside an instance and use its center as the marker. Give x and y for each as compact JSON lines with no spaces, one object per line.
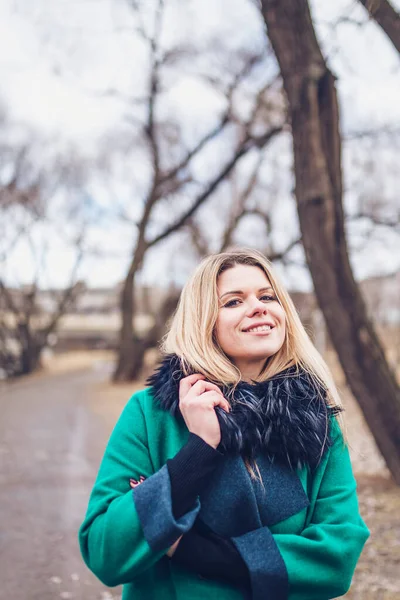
{"x":251,"y":323}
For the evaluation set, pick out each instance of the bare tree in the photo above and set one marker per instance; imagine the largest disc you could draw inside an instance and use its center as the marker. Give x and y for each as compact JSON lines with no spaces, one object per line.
{"x":170,"y":181}
{"x":27,"y":194}
{"x":25,"y":326}
{"x":313,"y":106}
{"x":21,"y":330}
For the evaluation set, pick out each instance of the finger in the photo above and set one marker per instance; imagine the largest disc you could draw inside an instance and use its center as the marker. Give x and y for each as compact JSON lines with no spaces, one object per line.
{"x":216,"y":400}
{"x":202,"y":386}
{"x":224,"y":404}
{"x":187,"y":382}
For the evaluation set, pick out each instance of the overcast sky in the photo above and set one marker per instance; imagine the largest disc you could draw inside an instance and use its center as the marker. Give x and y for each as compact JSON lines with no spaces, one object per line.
{"x":58,"y":56}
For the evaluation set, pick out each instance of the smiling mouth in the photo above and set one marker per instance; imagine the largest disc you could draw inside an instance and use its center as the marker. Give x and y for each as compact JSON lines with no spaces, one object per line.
{"x":260,"y":329}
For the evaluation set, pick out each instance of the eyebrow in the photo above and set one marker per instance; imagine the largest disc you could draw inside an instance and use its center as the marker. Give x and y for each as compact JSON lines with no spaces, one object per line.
{"x":240,"y":292}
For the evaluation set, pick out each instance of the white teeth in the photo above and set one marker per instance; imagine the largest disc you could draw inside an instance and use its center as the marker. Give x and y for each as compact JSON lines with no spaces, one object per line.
{"x":262,"y":328}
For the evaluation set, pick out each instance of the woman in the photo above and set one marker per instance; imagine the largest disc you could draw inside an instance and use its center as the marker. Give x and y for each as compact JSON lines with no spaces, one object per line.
{"x":229,"y":476}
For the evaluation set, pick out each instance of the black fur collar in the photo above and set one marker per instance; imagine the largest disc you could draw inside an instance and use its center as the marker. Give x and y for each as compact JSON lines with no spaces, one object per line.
{"x":284,"y":417}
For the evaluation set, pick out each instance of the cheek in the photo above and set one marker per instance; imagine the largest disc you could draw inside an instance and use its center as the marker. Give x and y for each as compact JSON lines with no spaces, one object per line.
{"x":225,"y":327}
{"x":279,"y":314}
{"x":282,"y":319}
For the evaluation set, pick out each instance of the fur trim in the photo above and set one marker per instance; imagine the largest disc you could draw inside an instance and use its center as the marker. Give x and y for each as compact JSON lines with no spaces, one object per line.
{"x":285,"y":417}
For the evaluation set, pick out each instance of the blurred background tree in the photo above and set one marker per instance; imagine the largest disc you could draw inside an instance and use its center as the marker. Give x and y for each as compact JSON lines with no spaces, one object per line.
{"x":39,"y":206}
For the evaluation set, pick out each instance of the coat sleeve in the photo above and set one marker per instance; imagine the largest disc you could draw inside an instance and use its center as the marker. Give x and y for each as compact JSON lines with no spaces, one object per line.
{"x":125,"y":530}
{"x":317,"y":564}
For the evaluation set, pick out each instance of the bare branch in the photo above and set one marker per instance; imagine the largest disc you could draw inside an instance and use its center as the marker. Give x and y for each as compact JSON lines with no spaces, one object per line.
{"x":170,"y":186}
{"x":212,"y":134}
{"x":391,"y":223}
{"x":67,"y":297}
{"x":118,"y":95}
{"x":17,"y":190}
{"x":251,"y":62}
{"x":16,"y":238}
{"x":197,"y":237}
{"x":344,"y":19}
{"x":140,"y":27}
{"x":374,"y":133}
{"x":12,"y":307}
{"x":275,"y":256}
{"x":386,"y":17}
{"x":272,"y":255}
{"x":29,"y":302}
{"x":244,"y":147}
{"x":172,"y":56}
{"x":239,"y":211}
{"x":150,"y":128}
{"x":260,"y":98}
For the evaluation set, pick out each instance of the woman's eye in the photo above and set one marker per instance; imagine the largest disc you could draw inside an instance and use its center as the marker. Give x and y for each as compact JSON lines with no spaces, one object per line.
{"x":264,"y":298}
{"x":231,"y":303}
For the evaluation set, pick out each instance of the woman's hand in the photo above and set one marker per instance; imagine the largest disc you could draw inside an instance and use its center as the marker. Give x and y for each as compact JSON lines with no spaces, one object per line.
{"x":197,"y":401}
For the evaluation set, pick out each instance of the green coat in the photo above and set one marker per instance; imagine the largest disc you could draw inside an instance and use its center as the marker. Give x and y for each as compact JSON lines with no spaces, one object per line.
{"x":300,"y":533}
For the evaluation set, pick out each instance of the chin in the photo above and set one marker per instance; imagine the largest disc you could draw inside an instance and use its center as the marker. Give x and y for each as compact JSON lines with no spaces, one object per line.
{"x":250,"y":357}
{"x":262,"y":353}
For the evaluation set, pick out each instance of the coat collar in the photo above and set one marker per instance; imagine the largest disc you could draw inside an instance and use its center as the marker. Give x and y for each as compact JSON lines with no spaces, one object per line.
{"x":285,"y":418}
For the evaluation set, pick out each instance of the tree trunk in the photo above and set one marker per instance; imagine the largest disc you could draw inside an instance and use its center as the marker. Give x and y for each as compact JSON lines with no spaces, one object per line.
{"x":30,"y":350}
{"x":313,"y":108}
{"x":125,"y":370}
{"x":126,"y":348}
{"x":135,"y":358}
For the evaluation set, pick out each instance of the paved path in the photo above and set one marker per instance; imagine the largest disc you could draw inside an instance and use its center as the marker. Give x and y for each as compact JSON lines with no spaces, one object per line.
{"x":50,"y":444}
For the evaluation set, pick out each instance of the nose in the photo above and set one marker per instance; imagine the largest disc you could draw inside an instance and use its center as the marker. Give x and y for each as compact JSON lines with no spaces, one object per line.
{"x":257,"y":307}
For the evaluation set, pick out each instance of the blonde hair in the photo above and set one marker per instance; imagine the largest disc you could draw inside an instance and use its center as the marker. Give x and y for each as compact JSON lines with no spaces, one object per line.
{"x":192,"y":332}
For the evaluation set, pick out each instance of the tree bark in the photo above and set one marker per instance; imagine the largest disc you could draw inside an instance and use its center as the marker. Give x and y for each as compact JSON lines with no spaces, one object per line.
{"x":30,"y":350}
{"x":153,"y":336}
{"x":133,"y":360}
{"x":313,"y":109}
{"x":386,"y":17}
{"x":126,"y":368}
